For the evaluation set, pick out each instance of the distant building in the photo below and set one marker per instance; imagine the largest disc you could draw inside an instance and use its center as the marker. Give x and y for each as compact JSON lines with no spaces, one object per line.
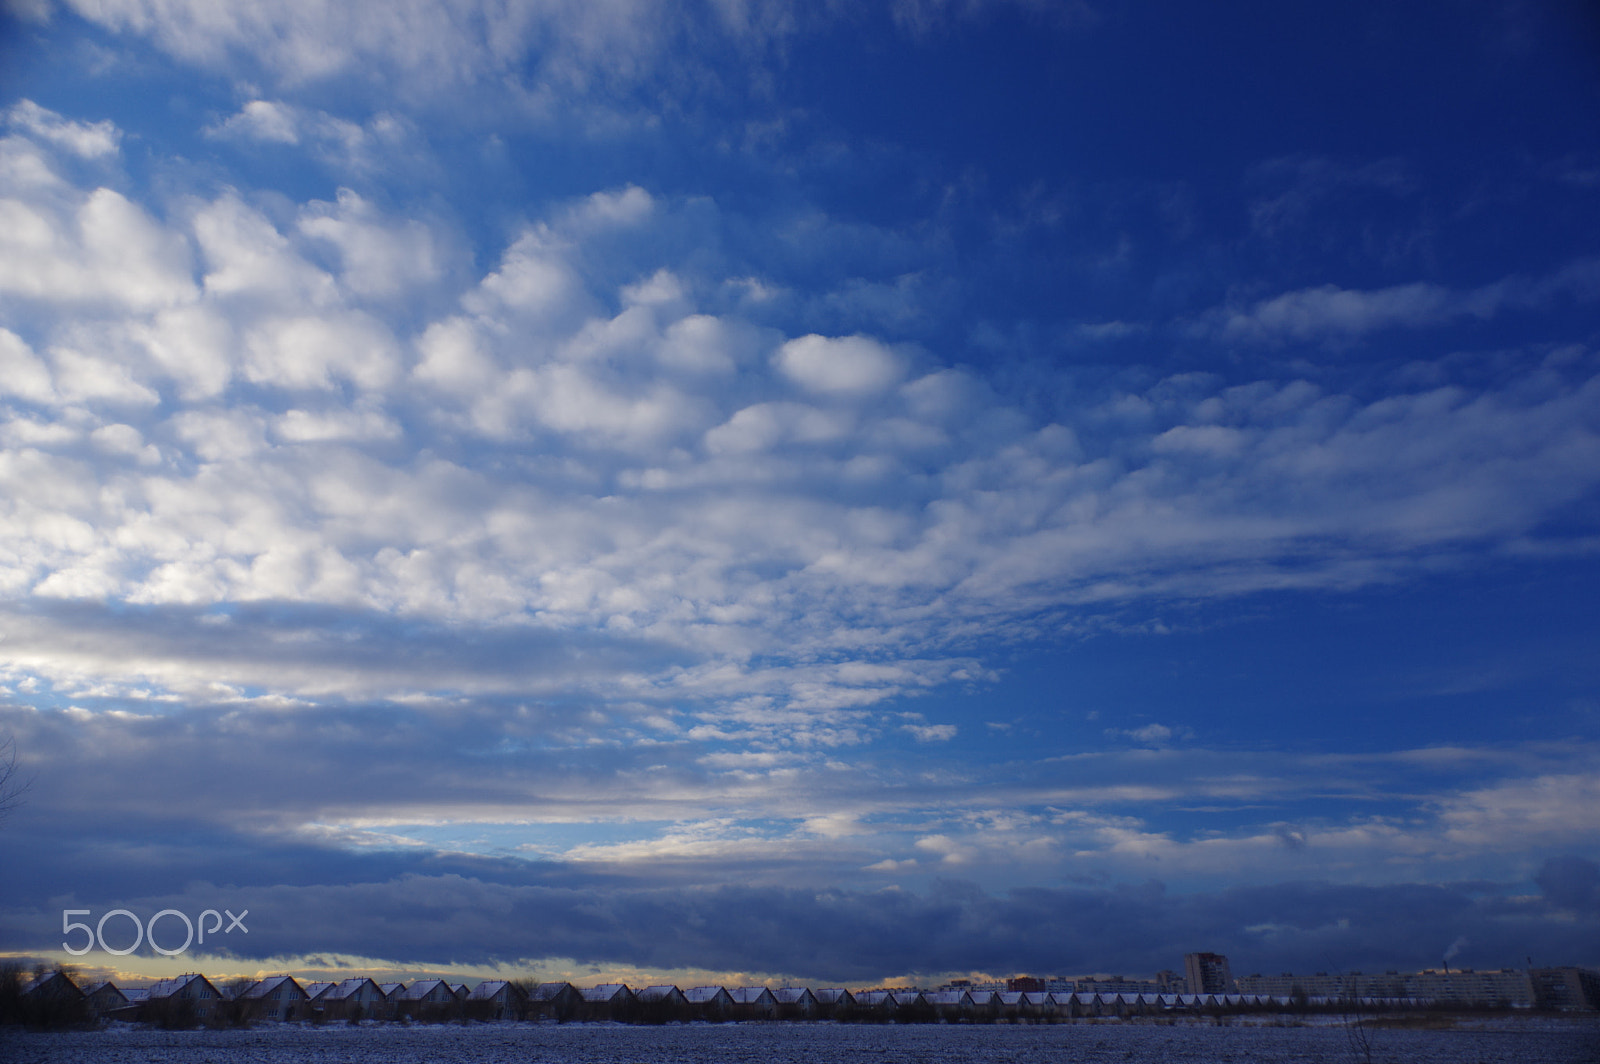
{"x":103,"y":997}
{"x":554,"y":1001}
{"x":1114,"y":984}
{"x":354,"y":999}
{"x":1207,"y":973}
{"x":277,"y":998}
{"x":1462,"y":986}
{"x":709,"y":1002}
{"x":496,"y":999}
{"x":796,"y":1003}
{"x":186,"y":992}
{"x":49,"y":987}
{"x":753,"y":1002}
{"x":1468,"y":987}
{"x":1566,"y":988}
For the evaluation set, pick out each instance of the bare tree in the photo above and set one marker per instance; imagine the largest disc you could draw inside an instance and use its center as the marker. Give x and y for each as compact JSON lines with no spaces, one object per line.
{"x":12,"y":786}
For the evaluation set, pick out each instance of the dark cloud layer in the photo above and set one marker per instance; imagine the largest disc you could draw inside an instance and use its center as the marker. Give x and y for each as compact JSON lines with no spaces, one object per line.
{"x":435,"y":910}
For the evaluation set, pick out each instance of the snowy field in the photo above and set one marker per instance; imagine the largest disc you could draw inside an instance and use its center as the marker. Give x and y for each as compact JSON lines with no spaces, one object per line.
{"x":1548,"y":1042}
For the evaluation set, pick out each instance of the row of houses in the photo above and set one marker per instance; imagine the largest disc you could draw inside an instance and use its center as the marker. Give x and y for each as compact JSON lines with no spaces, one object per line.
{"x":194,"y":998}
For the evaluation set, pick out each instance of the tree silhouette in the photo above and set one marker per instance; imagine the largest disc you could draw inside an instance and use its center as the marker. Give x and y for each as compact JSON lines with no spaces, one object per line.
{"x":11,"y":785}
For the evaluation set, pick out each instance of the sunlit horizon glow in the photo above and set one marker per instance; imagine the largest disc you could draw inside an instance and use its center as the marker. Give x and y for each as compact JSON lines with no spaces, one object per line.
{"x":736,"y":491}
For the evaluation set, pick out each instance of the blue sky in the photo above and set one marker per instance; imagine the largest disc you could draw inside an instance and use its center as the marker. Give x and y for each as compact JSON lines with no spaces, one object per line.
{"x":750,"y":490}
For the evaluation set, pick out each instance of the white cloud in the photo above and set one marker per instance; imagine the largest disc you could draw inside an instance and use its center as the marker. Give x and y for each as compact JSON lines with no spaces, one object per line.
{"x":317,"y":352}
{"x":86,"y":378}
{"x":88,"y":248}
{"x":849,"y":366}
{"x":90,"y":140}
{"x":22,"y":373}
{"x":380,"y":259}
{"x":263,"y":120}
{"x":247,"y":257}
{"x":303,"y":426}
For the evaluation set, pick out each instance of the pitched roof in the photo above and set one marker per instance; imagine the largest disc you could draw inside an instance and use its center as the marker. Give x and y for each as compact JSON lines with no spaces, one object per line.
{"x":176,"y":985}
{"x":347,"y":988}
{"x":52,"y":982}
{"x":489,"y":988}
{"x":657,"y":993}
{"x":264,"y":987}
{"x":422,"y":988}
{"x":948,"y":997}
{"x":749,"y":995}
{"x":793,"y":995}
{"x":606,"y":992}
{"x":702,"y":995}
{"x":103,"y":986}
{"x":550,"y":991}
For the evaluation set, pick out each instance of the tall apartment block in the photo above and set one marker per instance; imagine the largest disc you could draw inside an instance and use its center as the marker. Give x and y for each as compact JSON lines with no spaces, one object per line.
{"x":1207,"y":973}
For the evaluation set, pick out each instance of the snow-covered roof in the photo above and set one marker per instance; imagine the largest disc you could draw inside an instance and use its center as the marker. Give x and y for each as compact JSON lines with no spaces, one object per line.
{"x":263,"y":987}
{"x":549,"y":991}
{"x":657,"y":993}
{"x":347,"y":988}
{"x":948,"y":997}
{"x":749,"y":995}
{"x":57,"y":982}
{"x":422,"y":988}
{"x":177,"y":984}
{"x":702,"y":995}
{"x":103,"y":986}
{"x":489,"y":988}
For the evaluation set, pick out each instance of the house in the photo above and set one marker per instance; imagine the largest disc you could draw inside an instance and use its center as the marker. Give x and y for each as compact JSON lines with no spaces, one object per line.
{"x":796,"y":1003}
{"x":949,"y":1005}
{"x":355,"y":999}
{"x":709,"y":1002}
{"x":278,"y":998}
{"x":51,"y":985}
{"x":52,"y":1000}
{"x":753,"y":1003}
{"x":554,"y":1001}
{"x":176,"y":1001}
{"x":316,"y":990}
{"x":986,"y":1005}
{"x":496,"y":999}
{"x":104,"y":997}
{"x":875,"y":1003}
{"x":608,"y":1001}
{"x":426,"y":999}
{"x":659,"y":1004}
